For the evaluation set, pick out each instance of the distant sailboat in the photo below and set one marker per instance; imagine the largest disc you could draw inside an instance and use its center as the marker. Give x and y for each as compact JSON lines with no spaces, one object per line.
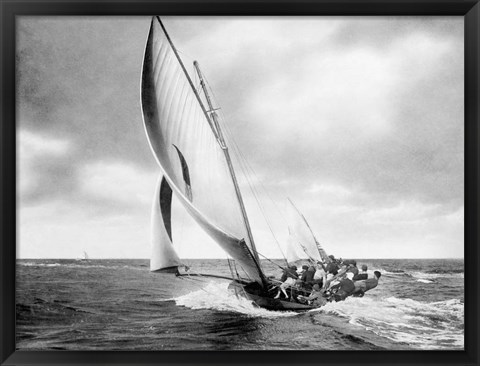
{"x":188,"y":144}
{"x":85,"y":257}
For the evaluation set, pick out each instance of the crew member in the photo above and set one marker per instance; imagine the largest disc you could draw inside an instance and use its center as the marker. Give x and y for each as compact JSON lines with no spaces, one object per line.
{"x":344,"y":288}
{"x":288,"y":279}
{"x":316,"y":298}
{"x":362,"y":275}
{"x":365,"y":285}
{"x":320,"y":276}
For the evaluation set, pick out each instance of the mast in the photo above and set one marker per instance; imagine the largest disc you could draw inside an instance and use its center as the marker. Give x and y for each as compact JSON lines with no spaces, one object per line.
{"x":224,"y":147}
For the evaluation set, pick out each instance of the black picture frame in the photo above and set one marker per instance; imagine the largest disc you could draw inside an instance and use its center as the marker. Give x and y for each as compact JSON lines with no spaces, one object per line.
{"x":12,"y":8}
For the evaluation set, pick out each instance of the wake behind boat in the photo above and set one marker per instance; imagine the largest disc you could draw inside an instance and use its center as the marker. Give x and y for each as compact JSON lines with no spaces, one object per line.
{"x":186,"y":138}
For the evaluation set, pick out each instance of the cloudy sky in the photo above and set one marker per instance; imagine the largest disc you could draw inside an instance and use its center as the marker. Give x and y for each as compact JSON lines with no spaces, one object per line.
{"x":359,"y":120}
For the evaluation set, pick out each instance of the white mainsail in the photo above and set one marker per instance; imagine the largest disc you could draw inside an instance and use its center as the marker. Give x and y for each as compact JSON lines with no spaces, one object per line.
{"x":185,"y":144}
{"x":302,"y":243}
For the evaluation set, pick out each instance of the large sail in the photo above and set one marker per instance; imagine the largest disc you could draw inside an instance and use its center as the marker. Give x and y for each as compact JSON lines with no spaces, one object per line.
{"x":302,"y":243}
{"x":185,"y":144}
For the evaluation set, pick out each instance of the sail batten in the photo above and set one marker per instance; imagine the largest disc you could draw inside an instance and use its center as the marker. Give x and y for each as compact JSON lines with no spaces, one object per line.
{"x":186,"y":147}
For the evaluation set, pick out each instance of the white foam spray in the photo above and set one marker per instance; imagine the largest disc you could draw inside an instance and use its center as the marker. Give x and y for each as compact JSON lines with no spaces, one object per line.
{"x":437,"y":325}
{"x":216,"y":296}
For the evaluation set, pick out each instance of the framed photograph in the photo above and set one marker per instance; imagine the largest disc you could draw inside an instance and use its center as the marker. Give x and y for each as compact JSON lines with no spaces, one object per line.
{"x":281,"y":183}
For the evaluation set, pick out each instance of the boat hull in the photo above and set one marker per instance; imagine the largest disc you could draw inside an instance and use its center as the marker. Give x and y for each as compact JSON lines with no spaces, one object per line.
{"x":268,"y":302}
{"x":173,"y":269}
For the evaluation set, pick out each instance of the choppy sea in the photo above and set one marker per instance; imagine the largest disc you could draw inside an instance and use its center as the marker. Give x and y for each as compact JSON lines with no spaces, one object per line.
{"x":112,"y":304}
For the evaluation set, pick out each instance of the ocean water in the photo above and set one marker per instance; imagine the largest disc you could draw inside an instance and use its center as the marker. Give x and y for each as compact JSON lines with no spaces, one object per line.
{"x":121,"y":305}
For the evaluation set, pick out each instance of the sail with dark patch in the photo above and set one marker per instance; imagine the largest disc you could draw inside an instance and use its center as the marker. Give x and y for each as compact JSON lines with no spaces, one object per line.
{"x":186,"y":144}
{"x":186,"y":175}
{"x":163,"y":257}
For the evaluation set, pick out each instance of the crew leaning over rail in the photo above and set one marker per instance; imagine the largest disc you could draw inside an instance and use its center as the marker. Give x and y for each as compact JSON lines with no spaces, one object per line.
{"x":363,"y":286}
{"x":288,"y":279}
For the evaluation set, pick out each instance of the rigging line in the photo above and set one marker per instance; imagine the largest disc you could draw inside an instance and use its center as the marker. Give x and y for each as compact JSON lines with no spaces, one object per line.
{"x":278,"y":283}
{"x":189,"y":278}
{"x":232,"y":265}
{"x":224,"y":124}
{"x":279,"y":211}
{"x":242,"y":159}
{"x":230,"y":261}
{"x":304,"y":248}
{"x":236,"y":270}
{"x":185,"y":54}
{"x":249,"y":171}
{"x":202,"y":276}
{"x":256,"y":195}
{"x":268,"y":259}
{"x":246,"y":174}
{"x":212,"y":294}
{"x":246,"y":275}
{"x":231,"y":170}
{"x":244,"y":166}
{"x":231,"y":271}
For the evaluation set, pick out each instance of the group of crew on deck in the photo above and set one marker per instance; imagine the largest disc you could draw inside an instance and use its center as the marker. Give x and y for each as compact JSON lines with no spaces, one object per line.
{"x":334,"y":280}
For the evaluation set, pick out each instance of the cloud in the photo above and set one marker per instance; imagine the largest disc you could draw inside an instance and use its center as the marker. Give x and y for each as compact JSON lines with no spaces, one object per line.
{"x":117,"y":181}
{"x":358,"y":120}
{"x":84,"y":85}
{"x":108,"y":215}
{"x":401,"y":138}
{"x":32,"y":144}
{"x":43,"y":166}
{"x":60,"y":229}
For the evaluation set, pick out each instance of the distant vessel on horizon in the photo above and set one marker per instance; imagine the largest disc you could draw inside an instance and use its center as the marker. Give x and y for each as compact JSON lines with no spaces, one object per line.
{"x":85,"y":258}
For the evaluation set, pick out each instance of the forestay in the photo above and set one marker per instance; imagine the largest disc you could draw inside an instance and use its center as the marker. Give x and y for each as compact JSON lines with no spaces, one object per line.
{"x":185,"y":145}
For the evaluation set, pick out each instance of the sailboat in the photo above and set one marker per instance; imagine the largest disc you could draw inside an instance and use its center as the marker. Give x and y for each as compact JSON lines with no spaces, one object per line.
{"x":187,"y":142}
{"x":85,"y":257}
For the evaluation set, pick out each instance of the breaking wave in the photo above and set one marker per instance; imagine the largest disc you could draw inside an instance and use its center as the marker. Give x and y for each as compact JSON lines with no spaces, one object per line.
{"x":216,"y":296}
{"x":33,"y":264}
{"x":81,"y":265}
{"x":433,"y":275}
{"x":425,"y":281}
{"x":436,"y":325}
{"x":424,"y":275}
